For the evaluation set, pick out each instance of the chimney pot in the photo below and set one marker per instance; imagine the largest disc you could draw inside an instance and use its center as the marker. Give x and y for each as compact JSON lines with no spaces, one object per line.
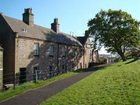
{"x":55,"y":25}
{"x":28,"y":16}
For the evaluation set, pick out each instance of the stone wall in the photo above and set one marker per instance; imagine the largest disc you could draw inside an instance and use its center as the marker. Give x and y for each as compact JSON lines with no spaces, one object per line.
{"x":1,"y":68}
{"x":1,"y":79}
{"x":7,"y":40}
{"x":53,"y":58}
{"x":87,"y":54}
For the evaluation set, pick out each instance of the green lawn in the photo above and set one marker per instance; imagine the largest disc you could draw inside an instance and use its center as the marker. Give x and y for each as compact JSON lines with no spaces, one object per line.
{"x":118,"y":84}
{"x":31,"y":85}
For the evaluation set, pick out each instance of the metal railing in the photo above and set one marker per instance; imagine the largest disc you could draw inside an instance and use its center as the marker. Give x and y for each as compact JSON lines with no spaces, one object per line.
{"x":13,"y":80}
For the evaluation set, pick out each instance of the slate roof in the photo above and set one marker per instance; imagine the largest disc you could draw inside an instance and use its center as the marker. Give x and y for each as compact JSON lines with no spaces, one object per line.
{"x":39,"y":32}
{"x":82,"y":39}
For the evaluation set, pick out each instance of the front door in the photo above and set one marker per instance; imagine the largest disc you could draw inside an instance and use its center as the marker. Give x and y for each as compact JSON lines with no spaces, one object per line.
{"x":23,"y":74}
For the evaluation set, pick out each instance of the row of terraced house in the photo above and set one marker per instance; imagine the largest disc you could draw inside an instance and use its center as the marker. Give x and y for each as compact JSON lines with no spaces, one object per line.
{"x":29,"y":48}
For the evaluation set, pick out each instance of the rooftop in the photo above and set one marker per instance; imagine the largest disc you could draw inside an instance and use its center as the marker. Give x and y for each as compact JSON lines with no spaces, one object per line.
{"x":39,"y":32}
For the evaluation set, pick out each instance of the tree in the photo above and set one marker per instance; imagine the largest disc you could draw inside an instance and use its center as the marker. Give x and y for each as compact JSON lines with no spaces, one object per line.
{"x":116,"y":30}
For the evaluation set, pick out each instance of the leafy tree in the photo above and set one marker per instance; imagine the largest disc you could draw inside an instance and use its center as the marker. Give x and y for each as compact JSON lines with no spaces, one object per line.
{"x":116,"y":30}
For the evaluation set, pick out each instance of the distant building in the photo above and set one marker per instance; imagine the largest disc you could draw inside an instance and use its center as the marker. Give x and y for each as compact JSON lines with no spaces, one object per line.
{"x":109,"y":58}
{"x":95,"y":56}
{"x":29,"y":48}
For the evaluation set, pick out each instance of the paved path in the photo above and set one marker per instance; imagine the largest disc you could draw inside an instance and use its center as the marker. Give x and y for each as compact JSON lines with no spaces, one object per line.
{"x":35,"y":97}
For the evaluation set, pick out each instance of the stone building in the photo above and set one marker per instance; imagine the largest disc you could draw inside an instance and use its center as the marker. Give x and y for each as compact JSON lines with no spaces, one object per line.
{"x":1,"y":67}
{"x":30,"y":48}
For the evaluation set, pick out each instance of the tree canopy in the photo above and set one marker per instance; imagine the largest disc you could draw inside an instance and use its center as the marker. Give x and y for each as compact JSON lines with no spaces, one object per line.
{"x":115,"y":29}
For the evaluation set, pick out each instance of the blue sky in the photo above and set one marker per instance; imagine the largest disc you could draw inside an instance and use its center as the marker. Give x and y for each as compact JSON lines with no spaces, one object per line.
{"x":73,"y":14}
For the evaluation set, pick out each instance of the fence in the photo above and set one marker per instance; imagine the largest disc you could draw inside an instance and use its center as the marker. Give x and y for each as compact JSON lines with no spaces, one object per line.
{"x":13,"y":80}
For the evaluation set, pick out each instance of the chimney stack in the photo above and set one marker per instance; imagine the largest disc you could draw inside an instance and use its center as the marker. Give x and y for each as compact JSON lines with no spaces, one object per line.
{"x":28,"y":17}
{"x":55,"y":25}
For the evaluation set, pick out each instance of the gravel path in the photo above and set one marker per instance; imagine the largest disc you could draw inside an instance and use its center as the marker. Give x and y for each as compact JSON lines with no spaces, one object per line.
{"x":35,"y":97}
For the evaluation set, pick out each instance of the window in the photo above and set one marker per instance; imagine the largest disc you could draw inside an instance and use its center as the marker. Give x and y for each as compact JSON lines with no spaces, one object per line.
{"x":51,"y":50}
{"x":63,"y":51}
{"x":36,"y":49}
{"x":50,"y":68}
{"x":90,"y":53}
{"x":85,"y":66}
{"x":72,"y":52}
{"x":76,"y":52}
{"x":80,"y":65}
{"x":63,"y":67}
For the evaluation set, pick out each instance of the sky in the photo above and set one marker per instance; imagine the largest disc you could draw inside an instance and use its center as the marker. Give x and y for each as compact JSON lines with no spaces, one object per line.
{"x":73,"y":15}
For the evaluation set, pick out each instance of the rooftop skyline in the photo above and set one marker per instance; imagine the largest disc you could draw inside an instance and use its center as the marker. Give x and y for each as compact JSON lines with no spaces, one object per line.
{"x":73,"y":15}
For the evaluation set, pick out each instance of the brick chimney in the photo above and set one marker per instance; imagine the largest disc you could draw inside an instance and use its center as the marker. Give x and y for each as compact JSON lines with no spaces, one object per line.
{"x":28,"y":16}
{"x":55,"y":25}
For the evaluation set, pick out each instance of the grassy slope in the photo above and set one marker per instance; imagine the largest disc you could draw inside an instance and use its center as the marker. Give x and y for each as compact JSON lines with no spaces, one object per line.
{"x":30,"y":86}
{"x":118,"y":84}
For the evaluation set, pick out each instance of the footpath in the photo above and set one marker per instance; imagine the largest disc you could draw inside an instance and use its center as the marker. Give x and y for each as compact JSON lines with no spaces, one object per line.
{"x":35,"y":97}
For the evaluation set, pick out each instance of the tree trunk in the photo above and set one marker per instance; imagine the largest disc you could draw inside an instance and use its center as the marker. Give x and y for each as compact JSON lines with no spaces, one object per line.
{"x":122,"y":56}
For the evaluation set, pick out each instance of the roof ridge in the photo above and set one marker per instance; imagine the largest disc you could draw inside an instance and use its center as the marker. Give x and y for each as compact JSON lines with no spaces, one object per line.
{"x":12,"y":18}
{"x":40,"y":32}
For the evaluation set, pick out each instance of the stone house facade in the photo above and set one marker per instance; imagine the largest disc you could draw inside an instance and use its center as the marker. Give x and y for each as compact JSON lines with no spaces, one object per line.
{"x":30,"y":48}
{"x":1,"y":67}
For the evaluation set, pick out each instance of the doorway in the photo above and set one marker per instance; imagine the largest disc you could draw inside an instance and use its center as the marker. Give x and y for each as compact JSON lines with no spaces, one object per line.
{"x":22,"y":76}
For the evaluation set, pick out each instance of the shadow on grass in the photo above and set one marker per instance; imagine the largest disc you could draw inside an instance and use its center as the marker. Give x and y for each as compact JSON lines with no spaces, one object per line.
{"x":94,"y":68}
{"x":119,"y":65}
{"x":133,"y":60}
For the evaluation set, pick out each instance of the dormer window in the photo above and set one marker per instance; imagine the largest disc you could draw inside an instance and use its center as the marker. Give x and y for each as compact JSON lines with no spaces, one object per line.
{"x":36,"y":49}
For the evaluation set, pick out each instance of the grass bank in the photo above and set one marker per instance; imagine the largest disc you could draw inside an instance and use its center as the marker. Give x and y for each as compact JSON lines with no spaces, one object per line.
{"x":31,"y":85}
{"x":118,"y":84}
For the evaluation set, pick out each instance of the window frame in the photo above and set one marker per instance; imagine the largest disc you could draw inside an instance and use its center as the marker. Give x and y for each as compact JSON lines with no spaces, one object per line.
{"x":36,"y":49}
{"x":51,"y":50}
